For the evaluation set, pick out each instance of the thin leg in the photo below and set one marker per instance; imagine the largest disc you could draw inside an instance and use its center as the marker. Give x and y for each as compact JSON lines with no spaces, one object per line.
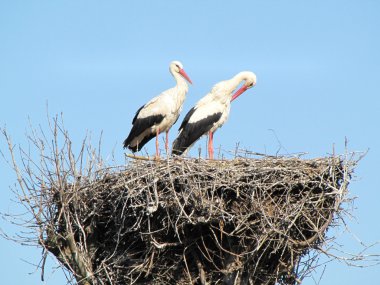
{"x":157,"y":144}
{"x":167,"y":142}
{"x":210,"y":145}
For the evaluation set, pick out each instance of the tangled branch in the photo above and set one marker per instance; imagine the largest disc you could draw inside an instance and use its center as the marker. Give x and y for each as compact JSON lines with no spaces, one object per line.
{"x":179,"y":221}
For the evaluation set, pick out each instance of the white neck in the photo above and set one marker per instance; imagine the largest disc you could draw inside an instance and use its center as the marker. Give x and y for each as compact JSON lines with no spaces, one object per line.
{"x":235,"y":81}
{"x":181,"y":82}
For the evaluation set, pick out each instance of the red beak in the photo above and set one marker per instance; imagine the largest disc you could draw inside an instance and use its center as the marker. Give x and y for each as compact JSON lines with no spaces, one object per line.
{"x":239,"y":92}
{"x":183,"y":73}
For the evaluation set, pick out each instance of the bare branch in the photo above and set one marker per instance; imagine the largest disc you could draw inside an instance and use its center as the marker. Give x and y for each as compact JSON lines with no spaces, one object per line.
{"x":248,"y":220}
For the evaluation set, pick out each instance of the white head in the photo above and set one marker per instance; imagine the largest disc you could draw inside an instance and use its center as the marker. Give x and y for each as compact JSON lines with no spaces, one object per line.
{"x":249,"y":79}
{"x":176,"y":67}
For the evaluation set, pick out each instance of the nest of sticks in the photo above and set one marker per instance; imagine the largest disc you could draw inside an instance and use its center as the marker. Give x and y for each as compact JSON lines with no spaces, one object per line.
{"x":194,"y":221}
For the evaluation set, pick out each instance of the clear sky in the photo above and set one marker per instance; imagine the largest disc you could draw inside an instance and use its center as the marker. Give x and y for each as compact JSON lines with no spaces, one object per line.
{"x":317,"y":64}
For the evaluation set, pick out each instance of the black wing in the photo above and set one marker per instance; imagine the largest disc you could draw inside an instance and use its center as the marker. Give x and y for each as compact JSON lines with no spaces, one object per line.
{"x":191,"y":132}
{"x":137,"y":113}
{"x":187,"y":118}
{"x":140,"y":125}
{"x":141,"y":144}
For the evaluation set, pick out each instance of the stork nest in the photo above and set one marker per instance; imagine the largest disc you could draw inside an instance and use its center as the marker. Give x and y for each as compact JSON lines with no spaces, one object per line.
{"x":192,"y":221}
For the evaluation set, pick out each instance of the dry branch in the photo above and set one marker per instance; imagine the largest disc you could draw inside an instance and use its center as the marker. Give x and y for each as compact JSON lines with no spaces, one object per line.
{"x":180,"y":221}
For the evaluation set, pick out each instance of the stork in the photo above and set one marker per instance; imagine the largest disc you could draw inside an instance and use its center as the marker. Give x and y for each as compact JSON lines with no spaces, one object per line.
{"x":160,"y":113}
{"x":211,"y":112}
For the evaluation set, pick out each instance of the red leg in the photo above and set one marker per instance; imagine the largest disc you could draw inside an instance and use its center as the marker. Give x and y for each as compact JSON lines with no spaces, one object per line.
{"x":167,"y":142}
{"x":157,"y":145}
{"x":210,"y":145}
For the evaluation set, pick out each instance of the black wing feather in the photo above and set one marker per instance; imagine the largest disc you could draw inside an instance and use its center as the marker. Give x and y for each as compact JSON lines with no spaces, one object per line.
{"x":137,"y":113}
{"x":140,"y":125}
{"x":142,"y":143}
{"x":187,"y":118}
{"x":192,"y":132}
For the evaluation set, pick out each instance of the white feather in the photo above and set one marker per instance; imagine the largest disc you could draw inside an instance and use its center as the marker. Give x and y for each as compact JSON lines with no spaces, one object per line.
{"x":168,"y":104}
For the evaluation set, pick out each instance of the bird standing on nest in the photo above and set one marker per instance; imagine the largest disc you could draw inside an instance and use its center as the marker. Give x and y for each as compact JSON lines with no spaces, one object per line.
{"x":211,"y":112}
{"x":160,"y":113}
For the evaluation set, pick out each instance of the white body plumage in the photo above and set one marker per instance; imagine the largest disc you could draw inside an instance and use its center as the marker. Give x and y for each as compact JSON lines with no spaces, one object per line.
{"x":169,"y":105}
{"x":211,"y":112}
{"x":160,"y":113}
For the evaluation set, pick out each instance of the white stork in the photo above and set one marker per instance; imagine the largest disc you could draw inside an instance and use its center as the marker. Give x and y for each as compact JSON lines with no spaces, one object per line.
{"x":160,"y":113}
{"x":211,"y":112}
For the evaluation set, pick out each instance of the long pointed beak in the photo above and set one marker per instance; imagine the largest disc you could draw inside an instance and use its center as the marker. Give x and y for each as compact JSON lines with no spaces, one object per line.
{"x":239,"y":92}
{"x":183,"y":73}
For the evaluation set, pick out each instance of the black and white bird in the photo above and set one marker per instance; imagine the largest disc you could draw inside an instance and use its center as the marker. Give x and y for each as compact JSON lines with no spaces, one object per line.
{"x":160,"y":113}
{"x":211,"y":112}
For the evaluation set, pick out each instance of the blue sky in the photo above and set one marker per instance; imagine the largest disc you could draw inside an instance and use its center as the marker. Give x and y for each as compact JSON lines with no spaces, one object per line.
{"x":317,"y":64}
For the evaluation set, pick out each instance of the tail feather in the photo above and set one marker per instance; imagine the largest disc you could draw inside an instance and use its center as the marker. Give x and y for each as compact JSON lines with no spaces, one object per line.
{"x":140,"y":125}
{"x":140,"y":145}
{"x":127,"y":141}
{"x":186,"y":138}
{"x":132,"y":134}
{"x":191,"y":132}
{"x":179,"y":145}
